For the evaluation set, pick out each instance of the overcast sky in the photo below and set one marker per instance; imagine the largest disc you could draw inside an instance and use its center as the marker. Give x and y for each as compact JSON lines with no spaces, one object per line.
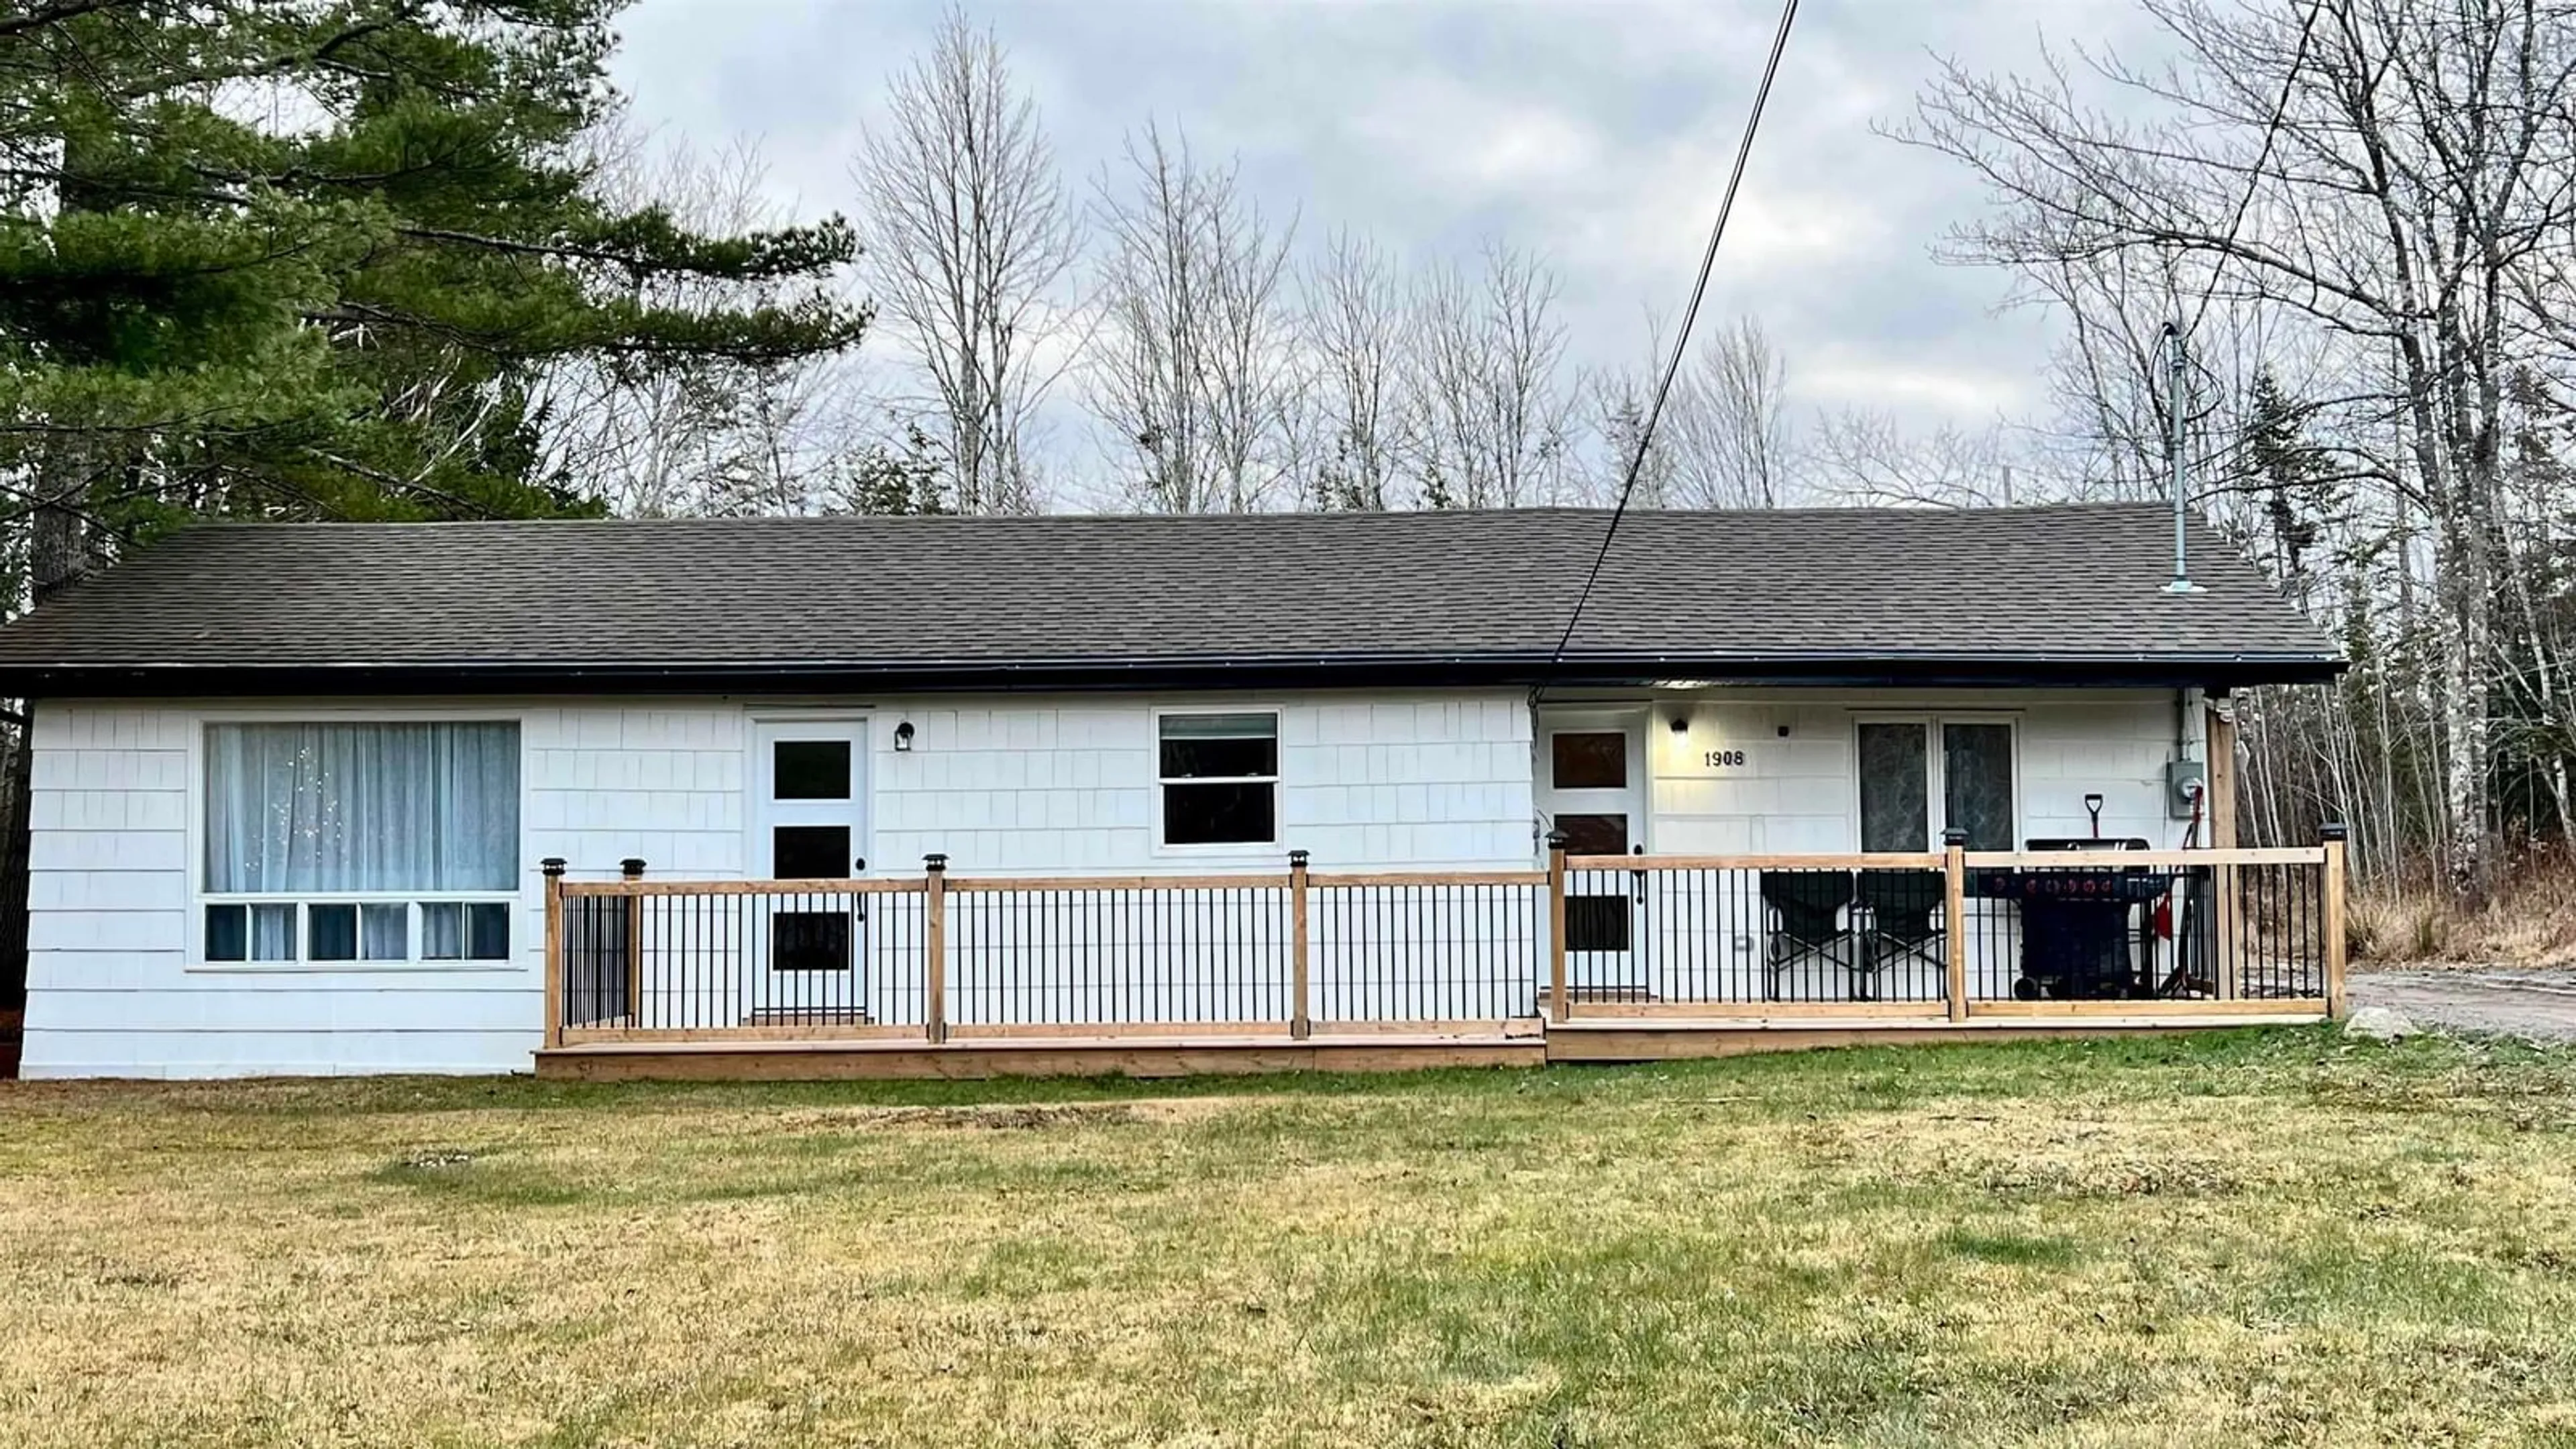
{"x":1597,"y":132}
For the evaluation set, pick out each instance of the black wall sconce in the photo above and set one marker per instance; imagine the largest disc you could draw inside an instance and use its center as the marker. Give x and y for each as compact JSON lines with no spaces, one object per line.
{"x":903,"y":738}
{"x":1681,"y":722}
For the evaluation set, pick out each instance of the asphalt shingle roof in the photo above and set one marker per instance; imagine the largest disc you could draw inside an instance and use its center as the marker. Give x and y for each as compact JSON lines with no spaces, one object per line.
{"x":2079,"y":582}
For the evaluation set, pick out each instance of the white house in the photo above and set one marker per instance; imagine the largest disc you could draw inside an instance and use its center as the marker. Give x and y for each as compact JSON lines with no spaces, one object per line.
{"x":293,"y":786}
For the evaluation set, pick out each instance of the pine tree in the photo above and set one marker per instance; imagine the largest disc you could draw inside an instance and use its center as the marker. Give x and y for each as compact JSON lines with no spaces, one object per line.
{"x":302,"y":258}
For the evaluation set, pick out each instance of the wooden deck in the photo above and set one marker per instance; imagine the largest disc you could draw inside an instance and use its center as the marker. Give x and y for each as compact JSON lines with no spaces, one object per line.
{"x":1594,"y":959}
{"x":1540,"y":1043}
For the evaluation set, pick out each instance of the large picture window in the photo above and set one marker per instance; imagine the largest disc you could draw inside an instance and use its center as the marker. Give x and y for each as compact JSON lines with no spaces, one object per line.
{"x":361,"y":841}
{"x":1914,"y":772}
{"x":1219,"y":777}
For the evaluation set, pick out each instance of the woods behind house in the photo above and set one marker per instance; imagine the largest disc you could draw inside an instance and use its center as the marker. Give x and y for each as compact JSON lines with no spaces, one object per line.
{"x":365,"y":259}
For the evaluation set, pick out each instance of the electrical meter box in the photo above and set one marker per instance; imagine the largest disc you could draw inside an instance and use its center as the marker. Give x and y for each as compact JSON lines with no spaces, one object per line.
{"x":2185,"y":780}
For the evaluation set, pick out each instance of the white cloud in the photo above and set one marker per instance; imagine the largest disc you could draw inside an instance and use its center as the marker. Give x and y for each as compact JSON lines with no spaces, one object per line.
{"x":1595,"y":131}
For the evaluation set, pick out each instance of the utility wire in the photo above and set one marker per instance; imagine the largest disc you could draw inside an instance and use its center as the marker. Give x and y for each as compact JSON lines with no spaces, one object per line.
{"x":1681,"y":344}
{"x":2262,"y":158}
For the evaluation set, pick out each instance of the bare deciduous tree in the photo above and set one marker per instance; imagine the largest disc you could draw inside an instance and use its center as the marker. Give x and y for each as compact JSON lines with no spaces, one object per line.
{"x":1863,"y":456}
{"x":1354,"y":324}
{"x":1732,"y":445}
{"x":1490,"y":422}
{"x":967,"y":235}
{"x":2414,"y":204}
{"x":1193,"y":369}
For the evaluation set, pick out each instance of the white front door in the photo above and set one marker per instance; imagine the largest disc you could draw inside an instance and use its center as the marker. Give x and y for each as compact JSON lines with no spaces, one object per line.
{"x":809,"y":822}
{"x":1592,"y":787}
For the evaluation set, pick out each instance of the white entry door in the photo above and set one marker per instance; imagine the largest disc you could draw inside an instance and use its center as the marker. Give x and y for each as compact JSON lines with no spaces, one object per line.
{"x":1592,"y":786}
{"x":809,"y":819}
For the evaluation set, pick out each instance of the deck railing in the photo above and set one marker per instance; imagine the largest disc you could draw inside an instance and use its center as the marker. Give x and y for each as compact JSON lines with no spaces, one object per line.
{"x":1951,"y":934}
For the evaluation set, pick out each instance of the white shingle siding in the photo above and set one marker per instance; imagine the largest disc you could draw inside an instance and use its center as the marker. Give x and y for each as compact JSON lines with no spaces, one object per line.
{"x":1003,"y":786}
{"x":1799,"y":793}
{"x":1061,"y":785}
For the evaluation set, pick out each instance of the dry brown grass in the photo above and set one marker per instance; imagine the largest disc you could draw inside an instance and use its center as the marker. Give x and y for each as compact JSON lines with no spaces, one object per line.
{"x":2256,"y":1238}
{"x":2530,"y":921}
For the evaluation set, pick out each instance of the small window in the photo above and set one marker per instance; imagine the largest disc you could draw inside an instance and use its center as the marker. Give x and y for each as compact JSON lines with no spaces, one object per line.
{"x":809,"y":941}
{"x":1597,"y":922}
{"x":1594,"y":834}
{"x":1895,"y":786}
{"x":1589,"y":760}
{"x":331,"y":932}
{"x":1977,"y":782}
{"x":809,"y":852}
{"x":244,"y":932}
{"x":810,"y":770}
{"x":464,"y":931}
{"x":1219,"y":775}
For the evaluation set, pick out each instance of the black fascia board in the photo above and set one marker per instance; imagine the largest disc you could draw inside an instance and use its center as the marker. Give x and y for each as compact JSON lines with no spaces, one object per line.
{"x":2215,"y":671}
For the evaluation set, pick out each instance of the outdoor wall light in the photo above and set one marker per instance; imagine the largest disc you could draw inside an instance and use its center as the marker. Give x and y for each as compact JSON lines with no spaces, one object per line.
{"x":903,"y":738}
{"x":1681,"y":723}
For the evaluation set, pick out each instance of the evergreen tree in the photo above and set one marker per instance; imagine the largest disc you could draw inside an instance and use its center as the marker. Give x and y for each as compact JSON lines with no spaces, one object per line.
{"x":302,"y":258}
{"x":2293,"y":484}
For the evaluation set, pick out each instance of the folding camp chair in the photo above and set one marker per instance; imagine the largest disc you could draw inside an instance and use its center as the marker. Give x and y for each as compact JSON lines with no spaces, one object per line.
{"x":1807,"y":923}
{"x":1898,"y":921}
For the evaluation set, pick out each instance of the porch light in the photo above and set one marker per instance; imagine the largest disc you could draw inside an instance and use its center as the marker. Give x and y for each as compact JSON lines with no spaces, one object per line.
{"x":903,"y":738}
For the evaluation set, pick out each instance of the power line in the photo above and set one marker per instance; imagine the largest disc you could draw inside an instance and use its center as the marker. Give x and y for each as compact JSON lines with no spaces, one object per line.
{"x":2262,"y":158}
{"x":1681,"y":344}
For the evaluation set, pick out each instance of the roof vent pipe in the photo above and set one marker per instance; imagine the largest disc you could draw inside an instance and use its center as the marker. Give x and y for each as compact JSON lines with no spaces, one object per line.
{"x":2174,"y":365}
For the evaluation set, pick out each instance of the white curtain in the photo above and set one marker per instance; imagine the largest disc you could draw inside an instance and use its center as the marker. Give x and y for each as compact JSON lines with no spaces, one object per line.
{"x":316,"y":808}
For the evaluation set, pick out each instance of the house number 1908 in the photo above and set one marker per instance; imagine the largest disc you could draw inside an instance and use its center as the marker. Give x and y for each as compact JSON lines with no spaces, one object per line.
{"x":1722,"y":759}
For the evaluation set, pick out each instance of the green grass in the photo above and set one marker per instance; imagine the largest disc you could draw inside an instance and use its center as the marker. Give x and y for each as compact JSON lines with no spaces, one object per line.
{"x":2238,"y":1238}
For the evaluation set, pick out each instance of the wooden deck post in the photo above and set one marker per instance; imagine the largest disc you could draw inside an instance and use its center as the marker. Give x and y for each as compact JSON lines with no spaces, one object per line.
{"x":633,"y":869}
{"x":2335,"y":837}
{"x":1556,"y":997}
{"x":1301,"y":1023}
{"x":2226,"y":890}
{"x":934,"y":948}
{"x":553,"y":865}
{"x":1954,"y":918}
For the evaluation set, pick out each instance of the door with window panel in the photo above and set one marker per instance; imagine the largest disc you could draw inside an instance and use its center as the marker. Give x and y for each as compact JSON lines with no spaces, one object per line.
{"x":1592,"y":788}
{"x":810,"y":824}
{"x":1919,"y":777}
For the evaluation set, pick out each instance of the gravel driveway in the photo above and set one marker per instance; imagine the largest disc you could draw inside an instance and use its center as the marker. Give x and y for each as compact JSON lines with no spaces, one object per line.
{"x":2539,"y":1005}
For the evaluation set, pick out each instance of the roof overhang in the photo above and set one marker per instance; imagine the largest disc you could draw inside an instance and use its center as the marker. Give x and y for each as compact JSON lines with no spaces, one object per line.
{"x":1458,"y":670}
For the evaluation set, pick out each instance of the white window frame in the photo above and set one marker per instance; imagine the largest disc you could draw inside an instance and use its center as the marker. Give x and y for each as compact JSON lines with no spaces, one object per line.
{"x":524,"y":907}
{"x":1935,"y":781}
{"x":1276,"y":779}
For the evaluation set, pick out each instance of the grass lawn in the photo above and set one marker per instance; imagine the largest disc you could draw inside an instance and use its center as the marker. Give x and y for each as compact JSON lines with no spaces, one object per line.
{"x":2256,"y":1237}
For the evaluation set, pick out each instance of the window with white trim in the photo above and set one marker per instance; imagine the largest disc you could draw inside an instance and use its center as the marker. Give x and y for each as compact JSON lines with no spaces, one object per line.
{"x":1219,"y":778}
{"x":1917,"y":771}
{"x":360,"y":841}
